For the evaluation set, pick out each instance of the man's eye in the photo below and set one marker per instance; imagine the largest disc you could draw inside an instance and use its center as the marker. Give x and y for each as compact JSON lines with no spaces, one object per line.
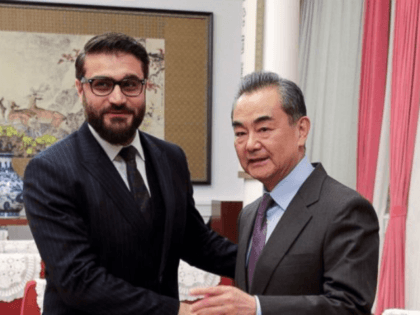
{"x":130,"y":84}
{"x":239,"y":133}
{"x":102,"y":84}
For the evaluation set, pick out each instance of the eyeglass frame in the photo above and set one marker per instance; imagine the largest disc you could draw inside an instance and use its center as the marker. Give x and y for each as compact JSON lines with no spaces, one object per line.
{"x":114,"y":83}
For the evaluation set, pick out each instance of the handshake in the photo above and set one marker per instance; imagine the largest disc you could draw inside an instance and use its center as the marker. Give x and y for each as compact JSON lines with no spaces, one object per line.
{"x":220,"y":300}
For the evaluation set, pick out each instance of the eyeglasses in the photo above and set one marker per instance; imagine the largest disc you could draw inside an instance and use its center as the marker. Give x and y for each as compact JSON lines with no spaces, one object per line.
{"x":103,"y":86}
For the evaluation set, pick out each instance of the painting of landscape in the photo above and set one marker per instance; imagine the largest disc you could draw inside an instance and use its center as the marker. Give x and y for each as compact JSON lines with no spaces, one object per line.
{"x":38,"y":99}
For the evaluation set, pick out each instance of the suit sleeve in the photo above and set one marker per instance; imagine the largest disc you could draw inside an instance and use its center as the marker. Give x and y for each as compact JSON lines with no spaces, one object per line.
{"x":203,"y":247}
{"x":350,"y":263}
{"x":62,"y":235}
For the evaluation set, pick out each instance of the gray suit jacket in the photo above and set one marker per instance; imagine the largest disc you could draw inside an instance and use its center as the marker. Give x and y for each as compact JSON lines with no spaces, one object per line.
{"x":322,"y":257}
{"x":95,"y":242}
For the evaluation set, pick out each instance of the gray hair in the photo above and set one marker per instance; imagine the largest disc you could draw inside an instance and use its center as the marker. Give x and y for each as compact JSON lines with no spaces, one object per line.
{"x":291,"y":96}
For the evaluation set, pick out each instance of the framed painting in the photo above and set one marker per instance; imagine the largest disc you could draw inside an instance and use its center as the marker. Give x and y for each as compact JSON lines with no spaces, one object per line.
{"x":38,"y":99}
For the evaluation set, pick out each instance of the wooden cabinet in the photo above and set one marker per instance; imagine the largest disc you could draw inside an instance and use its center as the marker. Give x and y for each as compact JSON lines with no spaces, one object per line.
{"x":224,"y":217}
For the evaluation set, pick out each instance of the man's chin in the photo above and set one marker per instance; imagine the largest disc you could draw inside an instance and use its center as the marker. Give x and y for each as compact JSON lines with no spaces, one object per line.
{"x":118,"y":136}
{"x":117,"y":133}
{"x":117,"y":130}
{"x":118,"y":122}
{"x":118,"y":125}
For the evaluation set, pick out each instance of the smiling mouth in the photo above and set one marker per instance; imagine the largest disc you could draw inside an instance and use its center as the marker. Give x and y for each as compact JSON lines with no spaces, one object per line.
{"x":257,"y":160}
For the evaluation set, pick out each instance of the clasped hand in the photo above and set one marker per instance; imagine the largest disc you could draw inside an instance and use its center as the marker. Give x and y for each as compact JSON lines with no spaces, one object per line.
{"x":219,"y":300}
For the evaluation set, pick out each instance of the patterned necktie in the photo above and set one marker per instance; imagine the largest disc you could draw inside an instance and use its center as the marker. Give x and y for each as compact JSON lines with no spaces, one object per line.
{"x":135,"y":181}
{"x":259,"y":235}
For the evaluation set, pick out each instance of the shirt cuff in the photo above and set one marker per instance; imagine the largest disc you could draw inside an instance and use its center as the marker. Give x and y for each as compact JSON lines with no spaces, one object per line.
{"x":257,"y":301}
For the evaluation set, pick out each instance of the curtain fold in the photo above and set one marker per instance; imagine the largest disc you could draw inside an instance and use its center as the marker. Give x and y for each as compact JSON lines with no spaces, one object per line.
{"x":381,"y":188}
{"x":405,"y":98}
{"x":372,"y":92}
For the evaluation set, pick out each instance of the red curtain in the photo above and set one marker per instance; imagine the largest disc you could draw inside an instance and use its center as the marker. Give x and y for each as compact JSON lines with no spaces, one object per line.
{"x":405,"y":98}
{"x":372,"y":92}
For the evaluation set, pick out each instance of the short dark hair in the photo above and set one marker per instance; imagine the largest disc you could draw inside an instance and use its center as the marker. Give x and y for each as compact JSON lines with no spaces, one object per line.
{"x":291,"y":96}
{"x":112,"y":43}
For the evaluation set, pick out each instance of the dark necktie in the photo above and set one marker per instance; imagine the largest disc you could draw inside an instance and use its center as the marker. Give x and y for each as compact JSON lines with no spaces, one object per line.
{"x":259,"y":235}
{"x":135,"y":181}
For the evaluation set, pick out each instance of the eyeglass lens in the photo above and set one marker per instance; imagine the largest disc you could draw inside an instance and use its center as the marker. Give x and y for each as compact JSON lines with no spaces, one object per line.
{"x":129,"y":87}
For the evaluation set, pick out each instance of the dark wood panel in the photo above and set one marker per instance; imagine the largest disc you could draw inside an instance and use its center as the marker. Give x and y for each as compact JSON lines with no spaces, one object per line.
{"x":224,"y":216}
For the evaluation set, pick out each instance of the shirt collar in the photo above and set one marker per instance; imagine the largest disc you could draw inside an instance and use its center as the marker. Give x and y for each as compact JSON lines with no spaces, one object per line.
{"x":112,"y":150}
{"x":288,"y":187}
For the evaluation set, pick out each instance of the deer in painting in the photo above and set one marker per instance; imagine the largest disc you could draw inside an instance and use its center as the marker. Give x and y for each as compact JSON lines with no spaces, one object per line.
{"x":22,"y":115}
{"x":35,"y":114}
{"x":44,"y":115}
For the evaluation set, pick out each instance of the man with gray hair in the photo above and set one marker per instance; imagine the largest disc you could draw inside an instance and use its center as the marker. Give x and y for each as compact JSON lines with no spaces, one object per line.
{"x":309,"y":245}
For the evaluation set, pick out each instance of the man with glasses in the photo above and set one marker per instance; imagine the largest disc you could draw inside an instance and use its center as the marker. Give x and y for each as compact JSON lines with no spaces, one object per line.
{"x":110,"y":207}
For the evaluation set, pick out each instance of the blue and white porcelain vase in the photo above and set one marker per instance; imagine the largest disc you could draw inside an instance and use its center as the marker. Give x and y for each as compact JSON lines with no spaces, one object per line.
{"x":11,"y":188}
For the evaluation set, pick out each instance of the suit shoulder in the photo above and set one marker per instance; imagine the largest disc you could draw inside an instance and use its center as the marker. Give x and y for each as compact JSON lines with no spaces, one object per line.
{"x":340,"y":201}
{"x":329,"y":197}
{"x":163,"y":144}
{"x":342,"y":192}
{"x":60,"y":150}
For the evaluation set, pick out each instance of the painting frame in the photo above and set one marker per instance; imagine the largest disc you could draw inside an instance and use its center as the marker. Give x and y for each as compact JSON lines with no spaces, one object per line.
{"x":188,"y":39}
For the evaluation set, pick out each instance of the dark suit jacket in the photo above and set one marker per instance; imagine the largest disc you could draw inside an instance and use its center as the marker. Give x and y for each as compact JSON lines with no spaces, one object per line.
{"x":322,"y":257}
{"x":94,"y":240}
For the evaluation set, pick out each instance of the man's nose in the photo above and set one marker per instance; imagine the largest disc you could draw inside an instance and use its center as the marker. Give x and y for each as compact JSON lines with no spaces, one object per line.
{"x":117,"y":96}
{"x":253,"y":142}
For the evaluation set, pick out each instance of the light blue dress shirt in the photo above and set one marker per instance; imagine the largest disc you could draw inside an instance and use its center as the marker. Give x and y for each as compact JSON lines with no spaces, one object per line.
{"x":282,"y":195}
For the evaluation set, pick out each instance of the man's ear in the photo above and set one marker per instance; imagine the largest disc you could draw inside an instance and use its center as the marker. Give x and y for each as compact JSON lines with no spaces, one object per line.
{"x":304,"y":125}
{"x":79,"y":88}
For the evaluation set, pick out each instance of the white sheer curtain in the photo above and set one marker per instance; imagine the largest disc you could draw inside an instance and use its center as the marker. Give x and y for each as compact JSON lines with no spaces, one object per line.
{"x":329,"y":76}
{"x":412,"y":241}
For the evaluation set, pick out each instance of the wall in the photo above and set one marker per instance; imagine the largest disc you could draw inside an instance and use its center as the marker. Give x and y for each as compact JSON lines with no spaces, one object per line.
{"x":226,"y":75}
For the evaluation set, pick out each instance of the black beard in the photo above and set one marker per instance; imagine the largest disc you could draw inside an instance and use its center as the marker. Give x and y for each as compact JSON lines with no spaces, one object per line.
{"x":120,"y":137}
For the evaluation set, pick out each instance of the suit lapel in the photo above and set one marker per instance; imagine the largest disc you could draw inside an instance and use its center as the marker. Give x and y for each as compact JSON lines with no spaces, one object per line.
{"x":293,"y":221}
{"x":163,"y":171}
{"x":97,"y":163}
{"x":247,"y":223}
{"x":287,"y":230}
